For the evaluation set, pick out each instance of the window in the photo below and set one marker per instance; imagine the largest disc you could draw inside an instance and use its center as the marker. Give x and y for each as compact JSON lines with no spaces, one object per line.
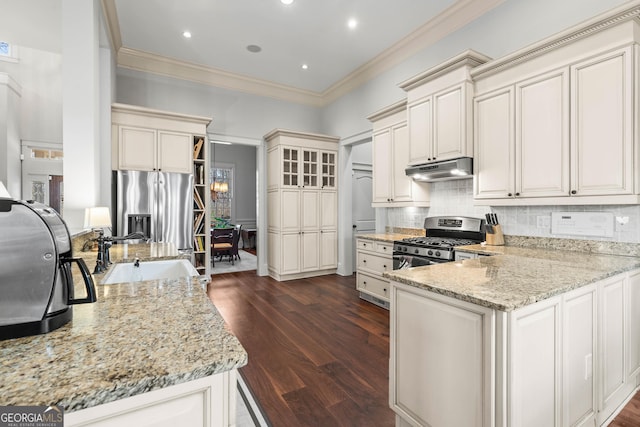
{"x":222,"y":194}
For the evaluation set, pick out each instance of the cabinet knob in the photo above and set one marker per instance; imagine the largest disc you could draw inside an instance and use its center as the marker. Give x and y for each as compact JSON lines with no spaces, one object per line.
{"x":517,"y":194}
{"x":574,"y":192}
{"x":384,"y":266}
{"x":433,"y":158}
{"x":509,"y":194}
{"x":364,"y":283}
{"x":364,"y":260}
{"x":429,"y":159}
{"x":384,"y":289}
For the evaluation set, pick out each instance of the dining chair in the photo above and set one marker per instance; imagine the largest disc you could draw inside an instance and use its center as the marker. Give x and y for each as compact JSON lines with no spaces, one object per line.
{"x":221,"y":243}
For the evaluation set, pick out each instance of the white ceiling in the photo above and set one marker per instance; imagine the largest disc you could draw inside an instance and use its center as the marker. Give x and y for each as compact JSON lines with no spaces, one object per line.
{"x":314,"y":32}
{"x":147,"y":35}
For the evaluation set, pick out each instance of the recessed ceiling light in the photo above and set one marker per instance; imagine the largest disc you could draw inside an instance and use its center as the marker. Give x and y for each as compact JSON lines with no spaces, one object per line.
{"x":254,"y":48}
{"x":352,"y":23}
{"x":305,"y":66}
{"x":286,"y":1}
{"x":186,"y":34}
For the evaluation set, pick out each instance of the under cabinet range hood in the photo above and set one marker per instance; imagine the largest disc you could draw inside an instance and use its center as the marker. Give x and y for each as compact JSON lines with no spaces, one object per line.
{"x":459,"y":168}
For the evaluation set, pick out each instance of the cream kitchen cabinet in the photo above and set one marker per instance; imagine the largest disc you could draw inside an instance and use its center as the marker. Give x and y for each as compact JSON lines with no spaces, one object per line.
{"x":558,"y":127}
{"x":373,"y":259}
{"x":150,"y":140}
{"x":302,"y":204}
{"x":439,"y":110}
{"x":391,"y":185}
{"x":569,"y":360}
{"x":522,"y":134}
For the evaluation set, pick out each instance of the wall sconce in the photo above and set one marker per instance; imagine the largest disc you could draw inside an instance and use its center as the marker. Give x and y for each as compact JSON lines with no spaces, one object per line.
{"x":218,"y":187}
{"x":98,"y":219}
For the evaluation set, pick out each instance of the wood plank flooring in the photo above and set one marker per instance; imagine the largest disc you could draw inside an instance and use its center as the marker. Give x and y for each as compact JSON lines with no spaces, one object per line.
{"x":318,"y":355}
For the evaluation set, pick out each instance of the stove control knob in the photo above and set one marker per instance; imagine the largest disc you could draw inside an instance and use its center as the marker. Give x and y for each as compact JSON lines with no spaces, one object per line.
{"x":416,"y":251}
{"x":437,"y":253}
{"x":430,"y":252}
{"x":404,"y":249}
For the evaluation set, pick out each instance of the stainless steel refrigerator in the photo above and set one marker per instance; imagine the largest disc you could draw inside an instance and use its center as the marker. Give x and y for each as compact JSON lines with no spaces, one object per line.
{"x":157,"y":204}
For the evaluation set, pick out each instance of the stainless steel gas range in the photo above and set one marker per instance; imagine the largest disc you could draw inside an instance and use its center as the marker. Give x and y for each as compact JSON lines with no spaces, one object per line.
{"x":442,"y":235}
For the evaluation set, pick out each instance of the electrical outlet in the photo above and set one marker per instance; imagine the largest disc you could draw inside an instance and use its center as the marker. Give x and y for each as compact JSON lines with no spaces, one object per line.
{"x":621,"y":222}
{"x":543,"y":221}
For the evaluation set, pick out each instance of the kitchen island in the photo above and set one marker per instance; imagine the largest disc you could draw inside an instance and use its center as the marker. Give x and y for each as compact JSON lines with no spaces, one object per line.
{"x":522,"y":337}
{"x":146,"y":350}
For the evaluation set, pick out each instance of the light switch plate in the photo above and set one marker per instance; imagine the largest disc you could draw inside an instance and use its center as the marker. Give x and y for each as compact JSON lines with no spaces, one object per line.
{"x":596,"y":224}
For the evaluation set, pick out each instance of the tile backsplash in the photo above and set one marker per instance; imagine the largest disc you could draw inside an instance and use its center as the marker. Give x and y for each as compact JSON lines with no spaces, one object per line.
{"x":456,"y":198}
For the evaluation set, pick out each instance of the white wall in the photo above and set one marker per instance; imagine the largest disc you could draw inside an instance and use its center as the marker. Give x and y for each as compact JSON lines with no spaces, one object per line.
{"x":234,"y":113}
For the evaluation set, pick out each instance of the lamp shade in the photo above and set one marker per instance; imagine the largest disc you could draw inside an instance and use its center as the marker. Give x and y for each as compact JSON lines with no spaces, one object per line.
{"x":97,"y":217}
{"x":224,"y":187}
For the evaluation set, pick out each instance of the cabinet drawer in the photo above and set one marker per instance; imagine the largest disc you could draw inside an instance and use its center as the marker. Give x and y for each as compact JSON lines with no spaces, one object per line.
{"x":373,"y":285}
{"x":385,"y":248}
{"x":370,"y":245}
{"x":374,"y":263}
{"x":367,"y":245}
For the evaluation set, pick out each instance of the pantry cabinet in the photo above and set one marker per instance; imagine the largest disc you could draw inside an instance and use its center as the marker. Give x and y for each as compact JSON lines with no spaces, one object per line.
{"x":439,"y":110}
{"x":558,"y":128}
{"x":302,"y":204}
{"x":391,"y":185}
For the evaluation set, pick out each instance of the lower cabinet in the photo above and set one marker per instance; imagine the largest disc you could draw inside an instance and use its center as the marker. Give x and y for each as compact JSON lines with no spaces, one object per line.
{"x":206,"y":402}
{"x":373,"y":259}
{"x":570,"y":360}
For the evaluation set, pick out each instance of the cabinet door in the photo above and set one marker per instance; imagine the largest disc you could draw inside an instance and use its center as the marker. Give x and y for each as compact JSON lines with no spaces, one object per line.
{"x":290,"y":167}
{"x":494,"y":144}
{"x":579,"y":356}
{"x":328,"y":210}
{"x":602,"y":124}
{"x":137,"y":149}
{"x":534,"y":349}
{"x":329,"y":173}
{"x":310,"y":212}
{"x":290,"y":210}
{"x":443,"y":384}
{"x":633,"y":326}
{"x":328,"y":249}
{"x":290,"y":256}
{"x":382,"y":167}
{"x":612,"y":346}
{"x":542,"y":135}
{"x":450,"y":139}
{"x":175,"y":152}
{"x":310,"y":169}
{"x":401,"y":182}
{"x":309,"y":251}
{"x":420,"y":131}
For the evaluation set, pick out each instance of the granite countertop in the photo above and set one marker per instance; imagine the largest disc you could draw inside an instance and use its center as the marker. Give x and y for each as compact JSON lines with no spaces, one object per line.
{"x":383,"y":237}
{"x":136,"y":338}
{"x":513,"y":277}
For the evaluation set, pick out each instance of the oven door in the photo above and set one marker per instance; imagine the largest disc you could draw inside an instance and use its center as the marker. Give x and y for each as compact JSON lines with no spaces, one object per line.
{"x":402,"y":261}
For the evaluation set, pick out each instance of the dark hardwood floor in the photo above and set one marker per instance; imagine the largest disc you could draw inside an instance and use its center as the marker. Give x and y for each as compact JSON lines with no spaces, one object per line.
{"x":318,"y":355}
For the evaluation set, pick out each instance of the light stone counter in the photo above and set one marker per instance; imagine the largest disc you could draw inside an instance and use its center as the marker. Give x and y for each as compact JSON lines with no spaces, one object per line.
{"x":513,"y":277}
{"x":383,"y":237}
{"x":136,"y":338}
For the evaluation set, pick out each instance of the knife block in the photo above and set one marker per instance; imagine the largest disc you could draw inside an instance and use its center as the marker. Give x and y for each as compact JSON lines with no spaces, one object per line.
{"x":497,"y":238}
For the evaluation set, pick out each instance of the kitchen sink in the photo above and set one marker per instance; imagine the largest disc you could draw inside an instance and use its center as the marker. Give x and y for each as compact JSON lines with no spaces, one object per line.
{"x":149,"y":270}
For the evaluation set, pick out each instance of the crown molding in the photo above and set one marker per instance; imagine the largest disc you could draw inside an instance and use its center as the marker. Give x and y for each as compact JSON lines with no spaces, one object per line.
{"x":113,"y":25}
{"x":297,"y":134}
{"x":451,"y":19}
{"x":169,"y":67}
{"x":627,"y":12}
{"x":448,"y":21}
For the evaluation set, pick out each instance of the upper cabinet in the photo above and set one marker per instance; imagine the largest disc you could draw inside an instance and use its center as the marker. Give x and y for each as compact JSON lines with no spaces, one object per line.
{"x":391,"y":153}
{"x":556,"y":123}
{"x":152,"y":140}
{"x":439,"y":105}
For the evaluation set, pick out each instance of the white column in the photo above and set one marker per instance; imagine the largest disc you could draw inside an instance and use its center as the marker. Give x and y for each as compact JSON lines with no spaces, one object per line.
{"x":80,"y":108}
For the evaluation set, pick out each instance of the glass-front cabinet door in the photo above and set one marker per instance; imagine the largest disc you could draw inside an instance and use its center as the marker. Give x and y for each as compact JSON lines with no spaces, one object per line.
{"x":309,"y":168}
{"x":290,"y":162}
{"x":328,"y":169}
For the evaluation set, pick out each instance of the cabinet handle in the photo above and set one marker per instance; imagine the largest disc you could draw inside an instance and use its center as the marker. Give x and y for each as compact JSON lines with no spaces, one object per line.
{"x":574,"y":192}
